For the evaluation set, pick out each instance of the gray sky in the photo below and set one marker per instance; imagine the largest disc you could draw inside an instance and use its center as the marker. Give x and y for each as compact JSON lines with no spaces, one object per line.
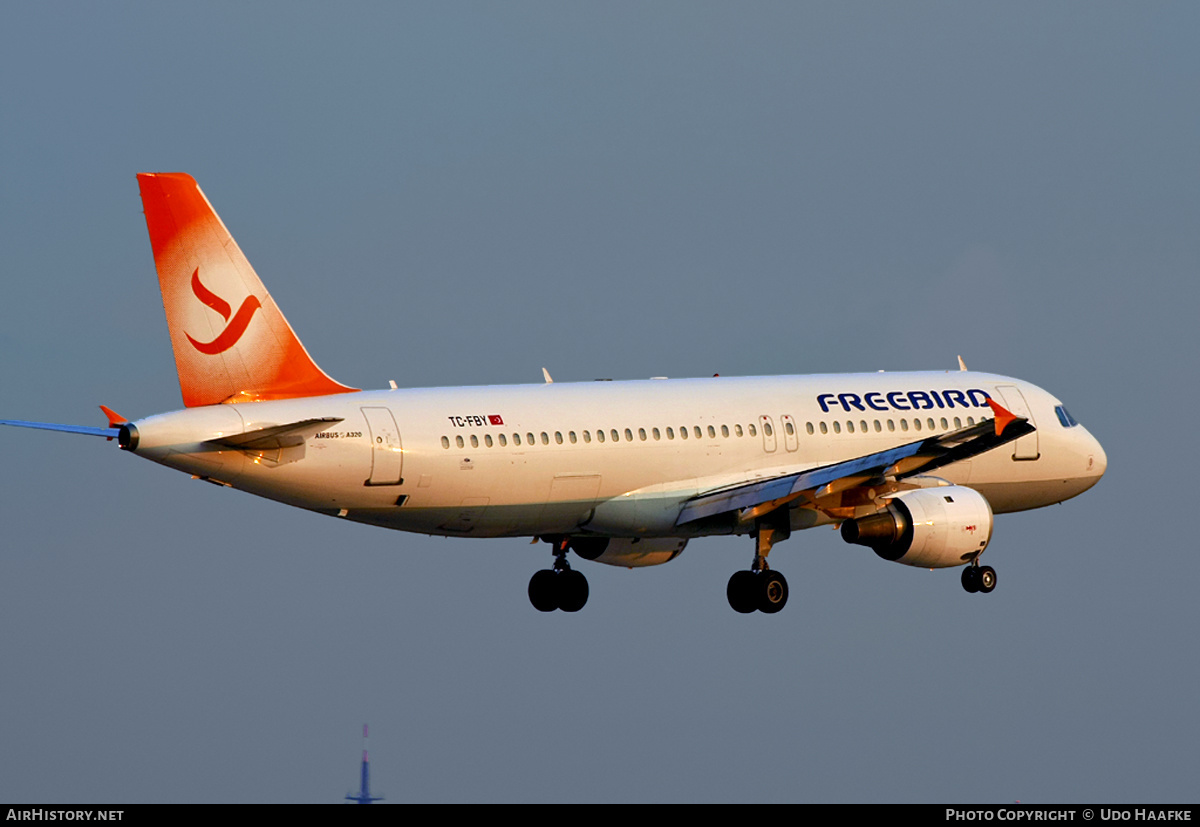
{"x":461,"y":193}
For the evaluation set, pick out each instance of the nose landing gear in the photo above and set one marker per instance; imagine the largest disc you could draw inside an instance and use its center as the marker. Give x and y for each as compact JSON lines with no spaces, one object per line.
{"x":977,"y":578}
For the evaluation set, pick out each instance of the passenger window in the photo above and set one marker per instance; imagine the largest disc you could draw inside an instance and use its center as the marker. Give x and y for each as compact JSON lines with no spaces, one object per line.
{"x":878,"y":427}
{"x":957,"y":422}
{"x":670,"y":433}
{"x":837,"y":427}
{"x":699,"y":433}
{"x":824,"y":428}
{"x":808,"y":426}
{"x":737,"y":430}
{"x":862,"y":426}
{"x":516,"y":439}
{"x":725,"y":431}
{"x":445,"y":442}
{"x":628,"y":435}
{"x":712,"y":432}
{"x":767,"y":429}
{"x":458,"y":440}
{"x":503,"y":441}
{"x":891,"y":425}
{"x":599,"y":435}
{"x":642,"y":434}
{"x":529,"y":438}
{"x":917,"y":424}
{"x":752,"y":431}
{"x":791,"y":430}
{"x":850,"y":427}
{"x":945,"y":424}
{"x":545,"y":438}
{"x":587,"y":436}
{"x":932,"y":425}
{"x":970,"y":420}
{"x":487,"y":440}
{"x":683,"y":434}
{"x":656,"y":433}
{"x":904,"y":424}
{"x":571,"y":436}
{"x":558,"y":437}
{"x":616,"y":437}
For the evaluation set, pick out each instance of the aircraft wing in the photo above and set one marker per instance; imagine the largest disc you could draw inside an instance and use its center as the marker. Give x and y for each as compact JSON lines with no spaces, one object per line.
{"x":756,"y":498}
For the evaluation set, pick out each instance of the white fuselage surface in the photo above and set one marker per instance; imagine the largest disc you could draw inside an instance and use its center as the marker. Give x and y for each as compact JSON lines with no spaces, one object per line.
{"x":611,"y":458}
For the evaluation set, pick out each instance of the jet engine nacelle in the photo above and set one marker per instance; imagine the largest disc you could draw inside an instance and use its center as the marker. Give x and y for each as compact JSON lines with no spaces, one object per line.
{"x":628,"y":552}
{"x":928,"y":527}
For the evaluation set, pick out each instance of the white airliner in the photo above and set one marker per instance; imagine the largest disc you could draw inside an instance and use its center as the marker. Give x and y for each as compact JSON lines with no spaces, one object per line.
{"x":912,"y":465}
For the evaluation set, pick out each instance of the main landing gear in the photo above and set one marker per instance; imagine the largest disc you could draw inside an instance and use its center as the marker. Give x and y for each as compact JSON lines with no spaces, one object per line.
{"x":561,"y":587}
{"x":760,"y":588}
{"x":763,"y":590}
{"x":977,"y":578}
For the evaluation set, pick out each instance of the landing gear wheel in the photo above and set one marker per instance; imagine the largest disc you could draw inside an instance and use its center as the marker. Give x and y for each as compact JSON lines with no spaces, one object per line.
{"x":560,"y":587}
{"x":760,"y":588}
{"x":773,"y":592}
{"x":543,"y":590}
{"x":987,"y":579}
{"x":741,"y":592}
{"x":572,"y":590}
{"x":970,"y":579}
{"x":564,"y":589}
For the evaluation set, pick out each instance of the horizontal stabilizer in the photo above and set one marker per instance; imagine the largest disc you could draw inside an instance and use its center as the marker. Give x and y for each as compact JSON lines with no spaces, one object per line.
{"x":115,"y":420}
{"x":276,"y":436}
{"x":108,"y":433}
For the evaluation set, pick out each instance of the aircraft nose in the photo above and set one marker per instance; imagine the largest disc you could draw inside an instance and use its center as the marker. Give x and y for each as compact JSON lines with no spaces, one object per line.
{"x":1097,"y":460}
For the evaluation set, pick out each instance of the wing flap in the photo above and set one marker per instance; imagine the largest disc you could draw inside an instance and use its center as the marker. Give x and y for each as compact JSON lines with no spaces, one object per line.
{"x":790,"y":486}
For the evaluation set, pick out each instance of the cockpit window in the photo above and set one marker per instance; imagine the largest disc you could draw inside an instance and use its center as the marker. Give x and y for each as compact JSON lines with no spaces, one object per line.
{"x":1065,"y":418}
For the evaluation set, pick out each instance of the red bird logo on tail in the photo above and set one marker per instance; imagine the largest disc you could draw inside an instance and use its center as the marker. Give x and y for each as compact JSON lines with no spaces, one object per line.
{"x":233,"y":332}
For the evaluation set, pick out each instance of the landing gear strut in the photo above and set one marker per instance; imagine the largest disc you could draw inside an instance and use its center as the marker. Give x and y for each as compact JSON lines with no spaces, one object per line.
{"x":561,"y":587}
{"x":760,"y":588}
{"x":977,"y":578}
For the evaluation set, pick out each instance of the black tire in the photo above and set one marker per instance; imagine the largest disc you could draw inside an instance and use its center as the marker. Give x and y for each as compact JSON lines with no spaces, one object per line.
{"x":987,"y":579}
{"x":970,"y":579}
{"x":572,"y":590}
{"x":772,"y":592}
{"x":543,"y":590}
{"x":740,"y":592}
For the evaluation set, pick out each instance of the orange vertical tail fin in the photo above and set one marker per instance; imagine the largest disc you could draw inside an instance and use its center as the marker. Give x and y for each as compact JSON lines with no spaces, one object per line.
{"x":222,"y":354}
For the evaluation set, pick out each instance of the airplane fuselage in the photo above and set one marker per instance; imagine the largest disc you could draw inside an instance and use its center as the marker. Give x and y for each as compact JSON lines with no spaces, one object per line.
{"x":611,"y":458}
